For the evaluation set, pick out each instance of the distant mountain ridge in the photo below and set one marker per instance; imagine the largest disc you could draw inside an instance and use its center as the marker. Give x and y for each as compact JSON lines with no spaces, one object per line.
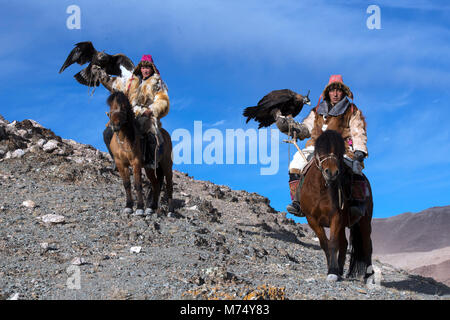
{"x":416,"y":242}
{"x":412,"y":232}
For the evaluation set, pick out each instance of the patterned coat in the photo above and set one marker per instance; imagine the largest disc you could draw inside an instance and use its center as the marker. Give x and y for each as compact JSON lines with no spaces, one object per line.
{"x":143,"y":95}
{"x":345,"y":118}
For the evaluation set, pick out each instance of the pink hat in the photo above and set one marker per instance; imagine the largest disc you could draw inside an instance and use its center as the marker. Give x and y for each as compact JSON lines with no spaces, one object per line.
{"x":146,"y":60}
{"x":336,"y":78}
{"x":147,"y":57}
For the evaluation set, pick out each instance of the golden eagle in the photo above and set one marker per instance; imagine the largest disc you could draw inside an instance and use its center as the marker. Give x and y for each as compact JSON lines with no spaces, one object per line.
{"x":287,"y":101}
{"x":85,"y":52}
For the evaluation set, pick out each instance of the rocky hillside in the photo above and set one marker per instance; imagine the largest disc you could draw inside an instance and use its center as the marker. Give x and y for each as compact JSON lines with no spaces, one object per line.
{"x":63,"y":236}
{"x":419,"y":242}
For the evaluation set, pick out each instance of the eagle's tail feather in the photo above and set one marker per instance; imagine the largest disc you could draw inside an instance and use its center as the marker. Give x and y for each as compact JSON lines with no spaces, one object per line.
{"x":250,"y":113}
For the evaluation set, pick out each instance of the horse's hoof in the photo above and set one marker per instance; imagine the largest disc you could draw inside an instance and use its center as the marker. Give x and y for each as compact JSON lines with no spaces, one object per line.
{"x":148,"y":211}
{"x":127,"y":210}
{"x":138,"y":212}
{"x":332,"y":277}
{"x":171,"y":214}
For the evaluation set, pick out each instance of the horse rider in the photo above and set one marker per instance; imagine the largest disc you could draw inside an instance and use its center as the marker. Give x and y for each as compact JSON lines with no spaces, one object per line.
{"x":334,"y":112}
{"x":148,"y":95}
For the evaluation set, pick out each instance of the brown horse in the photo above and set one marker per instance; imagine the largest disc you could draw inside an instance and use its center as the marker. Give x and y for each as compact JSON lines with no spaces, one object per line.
{"x":125,"y":146}
{"x":325,"y":202}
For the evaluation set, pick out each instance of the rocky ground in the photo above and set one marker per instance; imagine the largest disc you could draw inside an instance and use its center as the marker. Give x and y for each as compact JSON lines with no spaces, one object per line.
{"x":63,"y":236}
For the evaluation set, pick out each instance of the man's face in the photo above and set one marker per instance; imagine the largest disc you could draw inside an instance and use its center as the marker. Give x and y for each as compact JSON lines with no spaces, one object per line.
{"x":146,"y":71}
{"x":336,"y":95}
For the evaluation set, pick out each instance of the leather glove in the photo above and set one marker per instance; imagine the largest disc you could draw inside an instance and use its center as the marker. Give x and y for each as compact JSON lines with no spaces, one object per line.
{"x":284,"y":123}
{"x":301,"y":130}
{"x":99,"y":72}
{"x":359,"y":156}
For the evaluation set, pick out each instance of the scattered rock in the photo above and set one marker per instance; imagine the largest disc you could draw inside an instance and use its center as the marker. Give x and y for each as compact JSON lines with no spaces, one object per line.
{"x":225,"y":244}
{"x":52,"y":218}
{"x":135,"y":249}
{"x":78,"y":261}
{"x":29,"y":204}
{"x":50,"y":146}
{"x":14,"y":296}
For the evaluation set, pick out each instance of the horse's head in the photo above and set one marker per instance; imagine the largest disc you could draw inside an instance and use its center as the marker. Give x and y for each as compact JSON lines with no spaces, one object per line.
{"x":119,"y":110}
{"x":329,"y":152}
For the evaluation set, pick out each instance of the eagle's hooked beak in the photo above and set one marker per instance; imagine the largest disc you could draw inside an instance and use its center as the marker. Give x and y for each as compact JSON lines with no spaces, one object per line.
{"x":306,"y":99}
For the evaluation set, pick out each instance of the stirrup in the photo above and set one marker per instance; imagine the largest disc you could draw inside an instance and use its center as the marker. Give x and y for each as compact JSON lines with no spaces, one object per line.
{"x":294,"y":208}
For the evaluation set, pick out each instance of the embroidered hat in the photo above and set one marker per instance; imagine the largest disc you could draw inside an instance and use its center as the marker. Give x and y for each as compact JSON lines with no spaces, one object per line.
{"x":146,"y":61}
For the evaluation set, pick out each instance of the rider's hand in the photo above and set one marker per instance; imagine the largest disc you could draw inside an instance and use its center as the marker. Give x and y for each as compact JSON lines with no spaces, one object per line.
{"x":148,"y":113}
{"x":359,"y":155}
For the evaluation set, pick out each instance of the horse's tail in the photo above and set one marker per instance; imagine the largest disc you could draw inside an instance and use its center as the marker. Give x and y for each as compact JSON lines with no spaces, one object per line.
{"x":357,"y":267}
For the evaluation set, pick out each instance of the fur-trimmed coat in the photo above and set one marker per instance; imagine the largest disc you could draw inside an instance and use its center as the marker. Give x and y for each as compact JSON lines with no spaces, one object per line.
{"x":142,"y":94}
{"x":344,"y":118}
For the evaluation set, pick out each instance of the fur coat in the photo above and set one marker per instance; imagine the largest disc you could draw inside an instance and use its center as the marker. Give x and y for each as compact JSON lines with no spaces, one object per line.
{"x":146,"y":94}
{"x":344,"y":118}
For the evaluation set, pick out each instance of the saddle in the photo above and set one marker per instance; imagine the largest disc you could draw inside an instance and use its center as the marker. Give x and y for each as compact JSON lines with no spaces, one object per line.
{"x":152,"y":148}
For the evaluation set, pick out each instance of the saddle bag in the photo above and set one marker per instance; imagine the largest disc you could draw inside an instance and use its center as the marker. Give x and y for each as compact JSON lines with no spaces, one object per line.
{"x":359,"y":190}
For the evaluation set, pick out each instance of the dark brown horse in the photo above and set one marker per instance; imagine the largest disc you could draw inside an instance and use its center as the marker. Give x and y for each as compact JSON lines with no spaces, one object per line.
{"x":125,"y":146}
{"x":325,"y":202}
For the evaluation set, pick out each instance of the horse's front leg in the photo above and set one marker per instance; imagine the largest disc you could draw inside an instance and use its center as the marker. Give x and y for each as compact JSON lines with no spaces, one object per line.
{"x":137,"y":169}
{"x":125,"y":175}
{"x":320,"y":233}
{"x":343,"y":244}
{"x":336,"y":228}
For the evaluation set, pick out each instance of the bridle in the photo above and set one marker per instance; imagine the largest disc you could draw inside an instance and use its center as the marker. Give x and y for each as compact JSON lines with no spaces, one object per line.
{"x":319,"y":161}
{"x":116,"y":128}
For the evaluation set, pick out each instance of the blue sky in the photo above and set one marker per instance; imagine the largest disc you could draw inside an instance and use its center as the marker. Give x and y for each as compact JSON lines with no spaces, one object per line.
{"x":218,"y":57}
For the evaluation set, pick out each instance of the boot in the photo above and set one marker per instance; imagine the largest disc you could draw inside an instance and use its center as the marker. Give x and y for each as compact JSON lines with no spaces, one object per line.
{"x":295,"y":184}
{"x":357,"y":211}
{"x":149,"y":153}
{"x":358,"y":199}
{"x":358,"y":208}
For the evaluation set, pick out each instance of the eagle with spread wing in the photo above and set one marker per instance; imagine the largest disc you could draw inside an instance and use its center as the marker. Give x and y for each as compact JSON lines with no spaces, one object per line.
{"x":287,"y":101}
{"x":85,"y":52}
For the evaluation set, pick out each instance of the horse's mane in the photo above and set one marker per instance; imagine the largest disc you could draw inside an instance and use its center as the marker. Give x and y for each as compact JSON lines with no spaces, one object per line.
{"x":330,"y":142}
{"x":123,"y":101}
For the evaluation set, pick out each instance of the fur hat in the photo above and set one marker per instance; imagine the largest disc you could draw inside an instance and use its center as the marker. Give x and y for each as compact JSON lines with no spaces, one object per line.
{"x":146,"y":61}
{"x":336,"y":82}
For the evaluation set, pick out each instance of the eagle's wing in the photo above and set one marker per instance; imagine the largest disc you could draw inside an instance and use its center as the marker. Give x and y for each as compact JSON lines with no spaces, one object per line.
{"x":87,"y":78}
{"x":82,"y":53}
{"x":276,"y":98}
{"x":114,"y":63}
{"x":262,"y":113}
